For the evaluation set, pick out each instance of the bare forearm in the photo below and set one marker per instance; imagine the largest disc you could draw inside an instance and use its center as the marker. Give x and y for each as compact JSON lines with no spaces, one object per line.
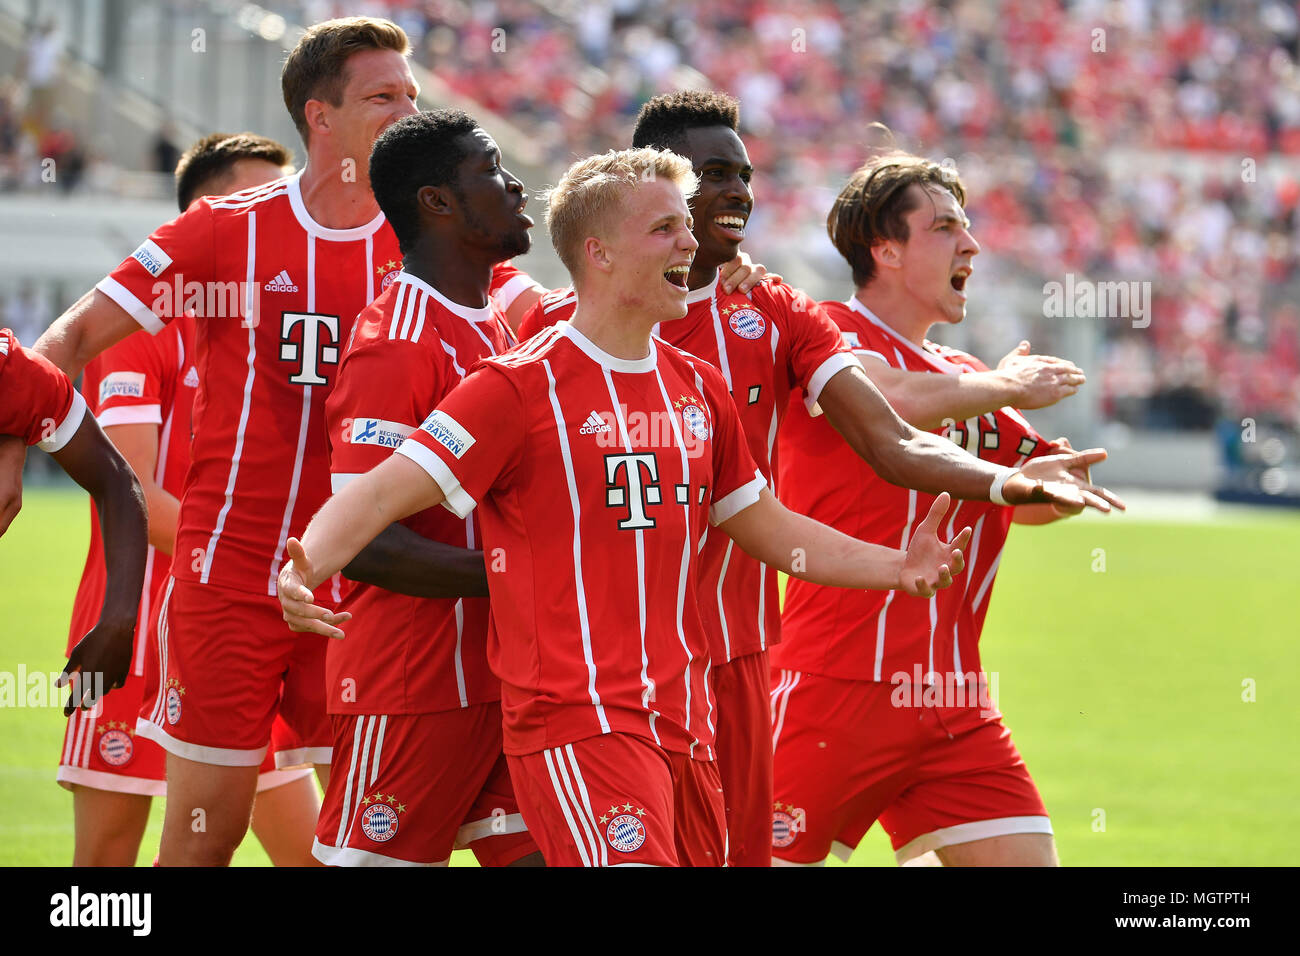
{"x":403,"y":561}
{"x":164,"y":513}
{"x":927,"y":401}
{"x":61,"y":342}
{"x":124,"y":526}
{"x":810,"y":550}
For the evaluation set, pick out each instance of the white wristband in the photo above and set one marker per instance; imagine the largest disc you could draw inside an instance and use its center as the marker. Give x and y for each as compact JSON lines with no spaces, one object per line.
{"x":995,"y":491}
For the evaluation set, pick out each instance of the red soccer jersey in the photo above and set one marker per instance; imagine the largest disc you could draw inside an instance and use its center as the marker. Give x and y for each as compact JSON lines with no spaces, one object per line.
{"x":277,"y":295}
{"x":151,"y":380}
{"x":877,"y":635}
{"x":508,"y":282}
{"x":766,"y":344}
{"x":408,"y":655}
{"x":596,"y":478}
{"x":37,"y":402}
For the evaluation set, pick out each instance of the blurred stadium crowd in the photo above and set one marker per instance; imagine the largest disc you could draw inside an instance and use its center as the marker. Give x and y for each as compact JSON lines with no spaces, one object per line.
{"x":1110,"y":139}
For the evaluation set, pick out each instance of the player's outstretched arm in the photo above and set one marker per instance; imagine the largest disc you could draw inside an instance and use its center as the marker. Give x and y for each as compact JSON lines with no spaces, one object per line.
{"x":926,"y":400}
{"x":348,"y":521}
{"x":90,"y":325}
{"x":13,"y":453}
{"x":812,"y":551}
{"x":910,"y":458}
{"x":91,"y":461}
{"x":405,"y":562}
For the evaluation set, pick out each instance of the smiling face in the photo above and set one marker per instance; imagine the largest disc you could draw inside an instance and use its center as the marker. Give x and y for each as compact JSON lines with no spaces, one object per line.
{"x":379,"y":90}
{"x":935,"y":261}
{"x":724,"y":202}
{"x":649,"y":251}
{"x":491,"y":199}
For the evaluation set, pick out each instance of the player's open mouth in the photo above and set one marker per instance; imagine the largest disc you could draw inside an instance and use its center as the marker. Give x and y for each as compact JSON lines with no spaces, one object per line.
{"x":733,"y":227}
{"x":677,"y":275}
{"x":958,"y":280}
{"x":520,"y":212}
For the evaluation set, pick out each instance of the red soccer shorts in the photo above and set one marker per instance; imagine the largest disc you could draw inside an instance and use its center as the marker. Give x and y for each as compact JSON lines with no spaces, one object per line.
{"x":101,"y":749}
{"x":742,"y":696}
{"x":405,"y":790}
{"x":621,"y":800}
{"x":221,"y":666}
{"x":850,"y":752}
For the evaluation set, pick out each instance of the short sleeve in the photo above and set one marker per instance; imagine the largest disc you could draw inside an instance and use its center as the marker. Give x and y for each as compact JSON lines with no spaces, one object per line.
{"x":736,"y":478}
{"x":367,"y":418}
{"x":508,"y":282}
{"x":37,"y":401}
{"x":131,"y":378}
{"x":817,"y":348}
{"x":472,"y":439}
{"x":180,"y":251}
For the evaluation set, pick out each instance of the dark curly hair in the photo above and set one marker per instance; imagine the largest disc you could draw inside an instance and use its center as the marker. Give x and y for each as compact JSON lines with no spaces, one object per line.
{"x":664,"y":120}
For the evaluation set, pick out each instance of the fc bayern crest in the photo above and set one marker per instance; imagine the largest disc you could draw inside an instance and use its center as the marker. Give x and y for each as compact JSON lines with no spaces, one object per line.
{"x":173,"y":705}
{"x":388,"y":279}
{"x":696,"y":422}
{"x":783,"y":829}
{"x":116,"y":748}
{"x":379,"y":822}
{"x":625,"y":833}
{"x":748,"y":323}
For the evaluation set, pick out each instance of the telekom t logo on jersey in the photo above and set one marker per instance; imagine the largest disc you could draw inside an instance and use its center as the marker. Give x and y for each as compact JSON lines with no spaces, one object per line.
{"x":632,"y":480}
{"x":314,"y":352}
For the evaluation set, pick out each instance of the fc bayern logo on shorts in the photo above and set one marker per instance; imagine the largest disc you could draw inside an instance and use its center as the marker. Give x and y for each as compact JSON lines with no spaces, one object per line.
{"x":625,"y":833}
{"x":174,"y":693}
{"x":379,"y":822}
{"x":116,"y":748}
{"x":696,"y":422}
{"x":783,"y":829}
{"x":748,"y":323}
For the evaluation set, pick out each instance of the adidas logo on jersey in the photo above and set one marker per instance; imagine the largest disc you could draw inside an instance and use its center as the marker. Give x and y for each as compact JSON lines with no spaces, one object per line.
{"x":594,"y":425}
{"x":281,"y":283}
{"x":192,"y":378}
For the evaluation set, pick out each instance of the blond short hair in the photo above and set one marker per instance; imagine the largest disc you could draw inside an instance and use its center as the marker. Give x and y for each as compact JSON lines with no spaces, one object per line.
{"x":316,"y":68}
{"x":590,"y":195}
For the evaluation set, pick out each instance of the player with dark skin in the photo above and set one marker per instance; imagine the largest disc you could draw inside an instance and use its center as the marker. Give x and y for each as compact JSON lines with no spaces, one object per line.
{"x":90,"y":460}
{"x":899,"y":453}
{"x":465,"y":228}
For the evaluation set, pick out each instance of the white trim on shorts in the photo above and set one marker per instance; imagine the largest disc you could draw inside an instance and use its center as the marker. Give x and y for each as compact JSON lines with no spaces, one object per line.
{"x":219,"y":756}
{"x":351,"y":856}
{"x":968,"y":832}
{"x":302,"y":756}
{"x":68,"y":776}
{"x":271,"y":779}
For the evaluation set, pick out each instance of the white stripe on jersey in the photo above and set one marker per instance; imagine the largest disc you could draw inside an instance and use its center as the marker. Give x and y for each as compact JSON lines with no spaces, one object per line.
{"x":540,"y":341}
{"x":988,"y":578}
{"x":889,"y":598}
{"x":303,"y":422}
{"x":581,"y":590}
{"x":399,"y":302}
{"x":722,"y":608}
{"x":414,"y":307}
{"x":647,"y":686}
{"x":686,"y":562}
{"x":724,"y":365}
{"x":580,"y":838}
{"x":252,"y":197}
{"x":250,"y":321}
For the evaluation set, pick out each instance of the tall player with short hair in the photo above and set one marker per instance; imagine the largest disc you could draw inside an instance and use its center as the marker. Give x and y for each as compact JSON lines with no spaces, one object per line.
{"x":880,"y":708}
{"x":598,"y":454}
{"x":142,"y":391}
{"x":289,"y":265}
{"x":769,"y":343}
{"x":418,"y":767}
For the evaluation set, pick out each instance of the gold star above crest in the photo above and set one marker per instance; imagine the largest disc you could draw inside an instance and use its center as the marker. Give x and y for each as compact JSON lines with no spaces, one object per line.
{"x":401,"y":808}
{"x":366,"y":802}
{"x":627,"y":807}
{"x":393,"y":264}
{"x":379,"y":270}
{"x":640,"y":811}
{"x":613,"y":811}
{"x":604,"y":818}
{"x":392,"y":799}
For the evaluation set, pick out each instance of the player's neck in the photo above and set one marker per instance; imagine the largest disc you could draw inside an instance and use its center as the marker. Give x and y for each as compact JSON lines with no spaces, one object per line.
{"x":611,"y":327}
{"x":893,"y":308}
{"x":702,"y":273}
{"x":457,"y":276}
{"x":334,"y":202}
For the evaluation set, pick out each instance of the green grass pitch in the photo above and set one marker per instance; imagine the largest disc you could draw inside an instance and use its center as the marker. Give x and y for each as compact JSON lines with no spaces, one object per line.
{"x":1127,"y":689}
